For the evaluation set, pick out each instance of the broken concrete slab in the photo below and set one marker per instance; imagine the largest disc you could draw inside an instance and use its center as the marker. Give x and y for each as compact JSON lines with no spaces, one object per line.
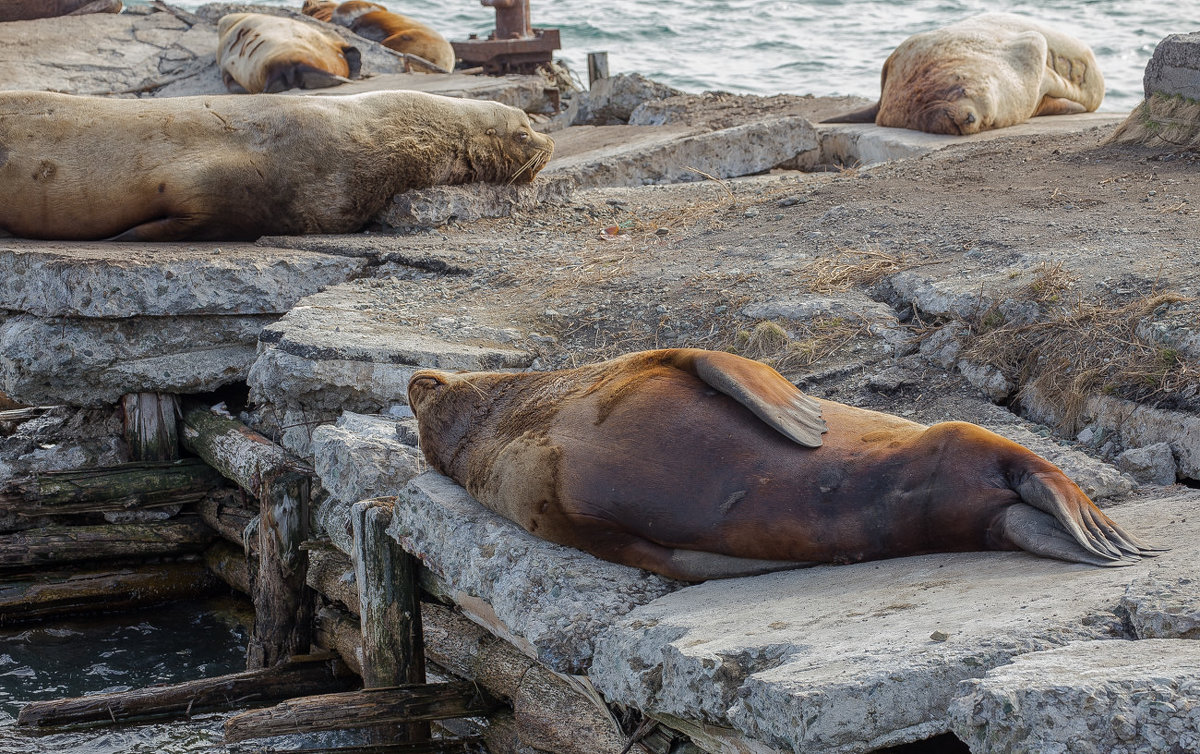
{"x":358,"y":458}
{"x":593,"y":156}
{"x":852,"y":658}
{"x":356,"y":345}
{"x":1163,"y":605}
{"x":93,"y":362}
{"x":613,"y":99}
{"x":439,"y":205}
{"x":116,"y":280}
{"x":1117,"y":697}
{"x":549,"y":601}
{"x":60,"y":439}
{"x":1174,"y":68}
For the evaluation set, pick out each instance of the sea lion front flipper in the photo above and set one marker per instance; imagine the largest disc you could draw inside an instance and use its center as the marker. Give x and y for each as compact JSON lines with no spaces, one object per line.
{"x":759,"y":388}
{"x":865,"y":115}
{"x":1059,"y":106}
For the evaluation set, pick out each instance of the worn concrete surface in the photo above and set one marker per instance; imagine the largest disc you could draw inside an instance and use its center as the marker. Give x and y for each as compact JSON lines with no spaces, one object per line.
{"x":1089,"y":697}
{"x":851,"y":658}
{"x":439,"y":205}
{"x":550,"y":601}
{"x":1174,"y":69}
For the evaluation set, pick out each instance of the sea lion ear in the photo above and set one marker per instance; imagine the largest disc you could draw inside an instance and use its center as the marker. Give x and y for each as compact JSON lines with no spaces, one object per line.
{"x":759,"y":388}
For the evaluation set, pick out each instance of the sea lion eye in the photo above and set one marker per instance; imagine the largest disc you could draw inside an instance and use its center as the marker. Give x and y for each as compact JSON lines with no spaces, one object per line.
{"x":490,"y":132}
{"x":522,"y":136}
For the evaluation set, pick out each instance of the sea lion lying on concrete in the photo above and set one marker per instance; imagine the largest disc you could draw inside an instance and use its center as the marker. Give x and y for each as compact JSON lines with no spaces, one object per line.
{"x":986,"y":72}
{"x":394,"y":31}
{"x":262,"y":53}
{"x":25,"y":10}
{"x":241,"y":166}
{"x":700,"y":464}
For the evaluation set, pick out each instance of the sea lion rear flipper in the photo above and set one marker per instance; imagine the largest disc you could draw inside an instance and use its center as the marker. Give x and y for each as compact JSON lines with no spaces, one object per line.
{"x":759,"y":388}
{"x":1058,"y":106}
{"x":695,"y":565}
{"x":865,"y":115}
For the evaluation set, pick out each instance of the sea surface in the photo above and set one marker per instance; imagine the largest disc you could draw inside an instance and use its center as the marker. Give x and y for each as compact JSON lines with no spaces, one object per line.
{"x":821,"y":47}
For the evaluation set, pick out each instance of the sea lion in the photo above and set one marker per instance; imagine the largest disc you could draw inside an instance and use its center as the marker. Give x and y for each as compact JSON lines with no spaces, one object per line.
{"x":394,"y":31}
{"x":239,"y":166}
{"x":701,"y":464}
{"x":25,"y":10}
{"x":261,"y":53}
{"x":322,"y":10}
{"x":985,"y":72}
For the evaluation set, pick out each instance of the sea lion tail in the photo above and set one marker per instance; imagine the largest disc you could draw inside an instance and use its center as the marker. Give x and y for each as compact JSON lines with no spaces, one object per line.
{"x":1060,"y":522}
{"x":865,"y":115}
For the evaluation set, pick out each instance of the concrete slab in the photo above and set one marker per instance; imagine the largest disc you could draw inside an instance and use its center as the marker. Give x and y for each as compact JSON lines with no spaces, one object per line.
{"x":93,"y":362}
{"x":1174,"y":69}
{"x":859,"y":144}
{"x":439,"y":205}
{"x":549,"y":601}
{"x":355,"y":346}
{"x":88,"y":279}
{"x":1116,"y":697}
{"x":851,"y":658}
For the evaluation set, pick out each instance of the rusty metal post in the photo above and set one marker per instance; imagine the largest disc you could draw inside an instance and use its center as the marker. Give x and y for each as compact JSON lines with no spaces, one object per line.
{"x":512,"y":18}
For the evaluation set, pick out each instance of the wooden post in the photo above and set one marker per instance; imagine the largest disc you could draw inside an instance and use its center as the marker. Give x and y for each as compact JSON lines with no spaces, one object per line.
{"x":597,"y":67}
{"x":283,"y":603}
{"x":389,"y":605}
{"x":150,"y":426}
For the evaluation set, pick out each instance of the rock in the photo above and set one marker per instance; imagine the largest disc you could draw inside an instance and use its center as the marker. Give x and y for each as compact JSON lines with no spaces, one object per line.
{"x":1164,"y":606}
{"x":550,"y":601}
{"x":990,"y":380}
{"x":614,"y":99}
{"x":1174,"y":69}
{"x":1089,"y":697}
{"x":1153,"y":463}
{"x":93,"y":362}
{"x":943,"y":346}
{"x":839,"y":658}
{"x":439,"y":205}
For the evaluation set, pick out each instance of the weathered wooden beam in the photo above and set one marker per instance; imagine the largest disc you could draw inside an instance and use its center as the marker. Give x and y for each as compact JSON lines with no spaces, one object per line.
{"x":227,"y":514}
{"x":358,"y":709}
{"x":111,"y":488}
{"x":151,"y":429}
{"x":283,"y":603}
{"x":339,"y":632}
{"x":299,"y":676}
{"x":472,"y":745}
{"x":73,"y":544}
{"x":33,"y":597}
{"x":228,"y":563}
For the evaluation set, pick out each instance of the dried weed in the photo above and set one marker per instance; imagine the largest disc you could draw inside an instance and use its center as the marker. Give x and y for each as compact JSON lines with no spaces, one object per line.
{"x":851,"y":267}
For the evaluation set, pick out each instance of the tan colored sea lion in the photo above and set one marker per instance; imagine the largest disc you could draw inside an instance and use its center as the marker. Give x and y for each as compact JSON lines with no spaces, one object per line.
{"x":394,"y":31}
{"x":262,"y":53}
{"x":240,"y":166}
{"x":322,"y":10}
{"x":25,"y":10}
{"x":985,"y":72}
{"x":700,"y":464}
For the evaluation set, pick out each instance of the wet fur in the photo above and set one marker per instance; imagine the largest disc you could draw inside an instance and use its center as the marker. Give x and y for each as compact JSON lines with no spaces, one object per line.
{"x":640,"y":461}
{"x":986,"y":72}
{"x":241,"y":166}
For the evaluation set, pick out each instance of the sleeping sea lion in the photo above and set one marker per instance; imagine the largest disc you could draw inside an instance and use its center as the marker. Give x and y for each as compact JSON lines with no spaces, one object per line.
{"x":986,"y":72}
{"x":25,"y":10}
{"x":240,"y":166}
{"x":322,"y":10}
{"x":701,"y":464}
{"x":394,"y":31}
{"x":262,"y":53}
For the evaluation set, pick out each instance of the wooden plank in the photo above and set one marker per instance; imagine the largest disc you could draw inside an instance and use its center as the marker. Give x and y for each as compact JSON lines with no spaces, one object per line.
{"x":358,"y":709}
{"x":151,"y":429}
{"x":298,"y":677}
{"x":228,"y":564}
{"x":111,"y":488}
{"x":473,"y":745}
{"x":50,"y":545}
{"x":32,"y":597}
{"x":226,"y":512}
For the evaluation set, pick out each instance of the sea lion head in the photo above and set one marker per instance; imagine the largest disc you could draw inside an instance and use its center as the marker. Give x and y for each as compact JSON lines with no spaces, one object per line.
{"x":941,"y":98}
{"x":502,"y":146}
{"x":448,"y":407}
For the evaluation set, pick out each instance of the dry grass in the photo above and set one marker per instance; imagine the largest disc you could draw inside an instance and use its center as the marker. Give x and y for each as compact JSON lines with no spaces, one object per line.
{"x":851,"y":267}
{"x":1161,"y":121}
{"x":1084,"y":349}
{"x":815,"y":340}
{"x":1050,"y":282}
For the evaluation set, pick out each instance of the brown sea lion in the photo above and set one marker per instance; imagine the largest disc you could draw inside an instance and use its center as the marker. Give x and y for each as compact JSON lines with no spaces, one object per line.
{"x":240,"y":166}
{"x":394,"y":31}
{"x":322,"y":10}
{"x":261,"y":53}
{"x":985,"y":72}
{"x":700,"y":464}
{"x":24,"y":10}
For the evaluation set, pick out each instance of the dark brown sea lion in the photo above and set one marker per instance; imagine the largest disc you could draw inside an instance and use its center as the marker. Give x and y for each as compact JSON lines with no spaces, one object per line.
{"x":394,"y":31}
{"x":986,"y":72}
{"x":24,"y":10}
{"x":262,"y":53}
{"x":241,"y":166}
{"x":700,"y":464}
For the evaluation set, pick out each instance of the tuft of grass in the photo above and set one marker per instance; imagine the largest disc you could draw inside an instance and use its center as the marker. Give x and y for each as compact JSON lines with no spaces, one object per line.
{"x":1050,"y":282}
{"x":813,"y":341}
{"x":851,"y":267}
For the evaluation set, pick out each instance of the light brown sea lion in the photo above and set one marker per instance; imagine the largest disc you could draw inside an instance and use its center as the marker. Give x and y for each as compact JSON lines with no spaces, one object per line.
{"x":240,"y":166}
{"x":394,"y":31}
{"x":700,"y":464}
{"x":322,"y":10}
{"x":24,"y":10}
{"x":985,"y":72}
{"x":262,"y":53}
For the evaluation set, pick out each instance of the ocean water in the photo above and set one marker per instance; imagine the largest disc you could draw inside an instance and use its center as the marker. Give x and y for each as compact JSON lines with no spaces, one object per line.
{"x":818,"y":47}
